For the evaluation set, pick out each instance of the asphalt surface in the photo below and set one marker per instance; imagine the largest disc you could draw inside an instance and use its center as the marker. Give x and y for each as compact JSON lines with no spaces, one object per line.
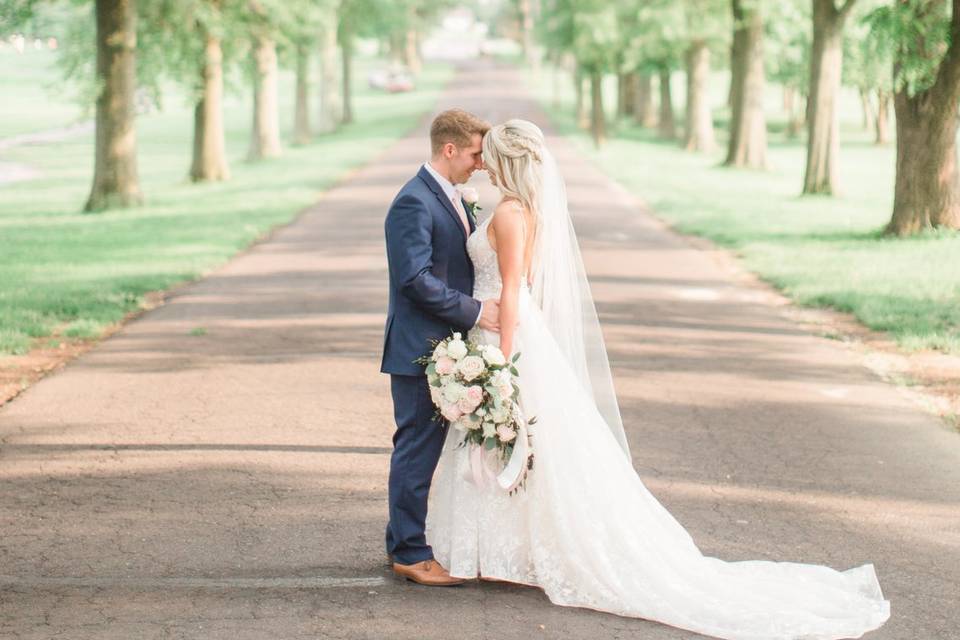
{"x":233,"y":484}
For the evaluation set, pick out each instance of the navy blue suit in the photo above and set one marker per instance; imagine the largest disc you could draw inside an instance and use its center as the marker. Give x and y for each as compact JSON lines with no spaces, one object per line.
{"x":431,"y":279}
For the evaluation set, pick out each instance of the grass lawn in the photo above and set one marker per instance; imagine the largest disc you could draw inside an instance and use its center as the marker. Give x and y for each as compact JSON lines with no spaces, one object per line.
{"x":34,"y":95}
{"x":820,"y":251}
{"x":65,"y":271}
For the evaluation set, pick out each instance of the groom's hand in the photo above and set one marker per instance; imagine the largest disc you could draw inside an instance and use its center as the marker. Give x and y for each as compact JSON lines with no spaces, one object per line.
{"x":490,"y":316}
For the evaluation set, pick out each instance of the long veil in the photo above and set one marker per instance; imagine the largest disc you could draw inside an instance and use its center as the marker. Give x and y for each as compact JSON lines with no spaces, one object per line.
{"x":559,"y":287}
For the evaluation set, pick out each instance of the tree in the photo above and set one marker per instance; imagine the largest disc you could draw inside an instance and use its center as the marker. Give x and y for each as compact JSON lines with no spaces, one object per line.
{"x":557,"y":32}
{"x":823,"y":117}
{"x":115,"y":179}
{"x":595,"y":45}
{"x":301,"y":108}
{"x":110,"y":84}
{"x":653,"y":49}
{"x":209,"y":146}
{"x":265,"y":23}
{"x":748,"y":125}
{"x":643,"y":110}
{"x":787,"y":57}
{"x":868,"y":65}
{"x":331,"y":102}
{"x":925,"y":36}
{"x":703,"y":25}
{"x":526,"y":10}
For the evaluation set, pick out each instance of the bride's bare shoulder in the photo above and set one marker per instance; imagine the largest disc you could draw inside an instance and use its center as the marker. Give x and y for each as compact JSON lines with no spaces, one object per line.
{"x":509,"y":204}
{"x":507,"y":215}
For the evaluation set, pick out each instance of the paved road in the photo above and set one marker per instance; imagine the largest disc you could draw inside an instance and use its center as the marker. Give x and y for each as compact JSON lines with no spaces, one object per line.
{"x":232,"y":484}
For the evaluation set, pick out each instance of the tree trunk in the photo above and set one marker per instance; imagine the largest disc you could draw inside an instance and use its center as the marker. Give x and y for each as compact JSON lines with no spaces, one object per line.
{"x":301,"y":112}
{"x":790,"y":110}
{"x":411,"y":52}
{"x":866,"y":108}
{"x":115,"y":179}
{"x":823,"y":116}
{"x":583,"y":118}
{"x":265,"y":136}
{"x":346,"y":48}
{"x":666,"y":127}
{"x":626,"y":94}
{"x":927,"y":187}
{"x":882,"y":119}
{"x":598,"y":121}
{"x":630,"y":94}
{"x":698,"y":130}
{"x":527,"y":39}
{"x":331,"y":105}
{"x":411,"y":41}
{"x":209,"y":150}
{"x":644,"y":113}
{"x":397,"y":43}
{"x":748,"y":125}
{"x":556,"y":78}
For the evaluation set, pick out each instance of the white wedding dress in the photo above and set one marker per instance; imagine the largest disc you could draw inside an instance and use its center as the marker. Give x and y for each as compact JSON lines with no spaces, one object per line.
{"x":588,"y":532}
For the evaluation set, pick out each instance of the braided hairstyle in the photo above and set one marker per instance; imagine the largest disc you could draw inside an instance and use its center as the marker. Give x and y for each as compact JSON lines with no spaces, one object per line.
{"x":512,"y":151}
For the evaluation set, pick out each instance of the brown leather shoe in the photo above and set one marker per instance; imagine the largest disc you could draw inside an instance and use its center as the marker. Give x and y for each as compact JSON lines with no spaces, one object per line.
{"x":428,"y":572}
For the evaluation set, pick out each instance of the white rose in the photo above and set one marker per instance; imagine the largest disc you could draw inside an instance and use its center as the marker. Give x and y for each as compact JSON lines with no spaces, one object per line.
{"x":469,"y":195}
{"x":499,"y":414}
{"x":489,"y":430}
{"x":503,"y":376}
{"x":494,"y":356}
{"x":453,"y":392}
{"x":440,"y":351}
{"x":470,"y":368}
{"x":456,"y":349}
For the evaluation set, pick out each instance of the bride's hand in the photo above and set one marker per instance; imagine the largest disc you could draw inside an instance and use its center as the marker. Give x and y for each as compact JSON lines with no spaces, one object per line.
{"x":490,"y":315}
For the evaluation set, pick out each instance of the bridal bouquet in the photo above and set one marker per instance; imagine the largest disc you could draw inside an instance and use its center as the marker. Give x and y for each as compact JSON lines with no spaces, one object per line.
{"x":475,"y":389}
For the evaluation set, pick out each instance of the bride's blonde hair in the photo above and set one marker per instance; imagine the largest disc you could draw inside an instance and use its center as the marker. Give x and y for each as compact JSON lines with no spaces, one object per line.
{"x":512,"y":151}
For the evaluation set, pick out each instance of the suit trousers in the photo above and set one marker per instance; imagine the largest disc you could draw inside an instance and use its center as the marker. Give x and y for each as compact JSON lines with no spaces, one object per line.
{"x":417,"y":444}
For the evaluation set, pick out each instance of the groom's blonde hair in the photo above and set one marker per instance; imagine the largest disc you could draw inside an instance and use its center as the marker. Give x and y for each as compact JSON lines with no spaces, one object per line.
{"x":456,"y":126}
{"x":513,"y":152}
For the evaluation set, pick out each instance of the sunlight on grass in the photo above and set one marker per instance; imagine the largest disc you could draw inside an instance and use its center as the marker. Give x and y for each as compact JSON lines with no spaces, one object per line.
{"x":820,"y":251}
{"x":60,"y":266}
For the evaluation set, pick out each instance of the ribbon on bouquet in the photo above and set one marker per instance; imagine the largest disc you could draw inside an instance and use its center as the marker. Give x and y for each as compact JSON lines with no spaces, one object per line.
{"x":512,"y":474}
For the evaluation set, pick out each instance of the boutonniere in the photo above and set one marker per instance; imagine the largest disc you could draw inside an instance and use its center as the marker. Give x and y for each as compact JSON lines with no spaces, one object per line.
{"x":471,"y":197}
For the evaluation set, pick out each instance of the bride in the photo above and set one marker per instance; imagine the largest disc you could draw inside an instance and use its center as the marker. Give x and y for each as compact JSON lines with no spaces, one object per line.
{"x":585,"y":529}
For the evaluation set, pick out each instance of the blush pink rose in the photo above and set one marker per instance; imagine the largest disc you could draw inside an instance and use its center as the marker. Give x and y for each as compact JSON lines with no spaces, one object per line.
{"x":475,"y":395}
{"x":505,"y":433}
{"x":445,"y":365}
{"x":465,"y":405}
{"x":450,"y":411}
{"x":470,"y":368}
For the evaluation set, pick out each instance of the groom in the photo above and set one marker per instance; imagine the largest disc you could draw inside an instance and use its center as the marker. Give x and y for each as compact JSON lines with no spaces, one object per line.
{"x":431,"y":279}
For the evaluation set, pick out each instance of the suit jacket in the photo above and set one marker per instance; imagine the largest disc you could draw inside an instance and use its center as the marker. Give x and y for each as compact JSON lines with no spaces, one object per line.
{"x":431,"y":276}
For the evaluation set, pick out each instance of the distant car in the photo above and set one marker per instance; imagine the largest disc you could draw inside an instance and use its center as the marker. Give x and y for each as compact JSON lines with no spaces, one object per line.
{"x":391,"y":80}
{"x":399,"y":81}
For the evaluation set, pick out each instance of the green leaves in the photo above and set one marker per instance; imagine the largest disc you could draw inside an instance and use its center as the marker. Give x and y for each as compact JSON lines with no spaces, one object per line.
{"x":916,"y":34}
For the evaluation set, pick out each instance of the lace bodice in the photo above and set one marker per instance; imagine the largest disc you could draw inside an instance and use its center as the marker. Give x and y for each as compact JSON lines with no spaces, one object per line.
{"x":486,"y":271}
